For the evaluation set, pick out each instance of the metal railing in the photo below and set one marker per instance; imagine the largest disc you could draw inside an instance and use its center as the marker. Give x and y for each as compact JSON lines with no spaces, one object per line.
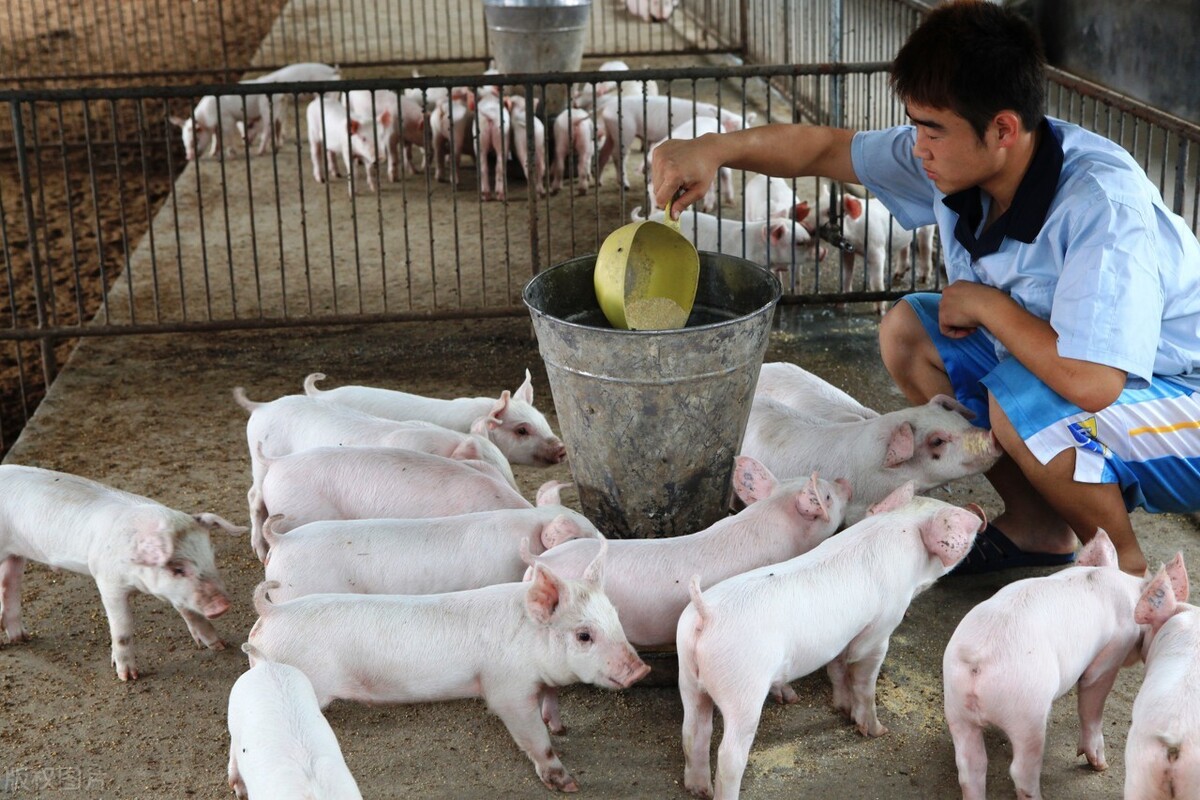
{"x":43,"y":41}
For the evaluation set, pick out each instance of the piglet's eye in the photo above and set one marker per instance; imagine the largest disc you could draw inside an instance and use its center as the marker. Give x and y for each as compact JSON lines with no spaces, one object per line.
{"x":522,"y":430}
{"x":177,"y":570}
{"x":584,"y":636}
{"x":936,"y":441}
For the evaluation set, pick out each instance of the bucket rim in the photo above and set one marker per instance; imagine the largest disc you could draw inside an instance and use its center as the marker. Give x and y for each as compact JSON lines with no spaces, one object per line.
{"x":776,"y":295}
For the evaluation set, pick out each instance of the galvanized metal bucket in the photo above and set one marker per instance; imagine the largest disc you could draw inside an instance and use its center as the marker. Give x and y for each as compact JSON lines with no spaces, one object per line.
{"x":537,"y":35}
{"x":652,"y":420}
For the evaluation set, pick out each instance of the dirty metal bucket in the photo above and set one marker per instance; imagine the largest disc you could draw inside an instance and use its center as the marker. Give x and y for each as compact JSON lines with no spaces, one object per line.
{"x":652,"y":420}
{"x":537,"y":35}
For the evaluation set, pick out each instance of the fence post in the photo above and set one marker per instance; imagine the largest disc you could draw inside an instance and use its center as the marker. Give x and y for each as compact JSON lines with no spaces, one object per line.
{"x":535,"y":256}
{"x":744,"y":24}
{"x":1181,"y":164}
{"x":227,"y":72}
{"x":49,"y":365}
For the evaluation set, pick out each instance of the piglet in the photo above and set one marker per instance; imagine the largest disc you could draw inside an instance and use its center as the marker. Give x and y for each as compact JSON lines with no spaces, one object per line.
{"x":586,"y":95}
{"x":280,"y":745}
{"x":333,"y":131}
{"x":382,"y":105}
{"x":930,"y":444}
{"x":377,"y":483}
{"x":521,"y":122}
{"x":450,"y":125}
{"x":880,"y":240}
{"x":297,"y":422}
{"x":796,"y":387}
{"x":693,"y":129}
{"x":651,"y":10}
{"x":836,"y":605}
{"x":574,"y":137}
{"x":1014,"y":654}
{"x":493,"y":126}
{"x":128,"y":543}
{"x":517,"y":428}
{"x":649,"y":583}
{"x":416,"y":556}
{"x":765,"y":198}
{"x":501,"y":643}
{"x":1162,"y":752}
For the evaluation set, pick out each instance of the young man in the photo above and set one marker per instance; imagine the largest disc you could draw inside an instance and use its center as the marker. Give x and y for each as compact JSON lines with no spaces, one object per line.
{"x":1071,"y":322}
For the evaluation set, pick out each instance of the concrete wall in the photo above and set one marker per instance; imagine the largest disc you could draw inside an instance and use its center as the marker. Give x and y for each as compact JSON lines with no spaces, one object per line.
{"x":1144,"y":48}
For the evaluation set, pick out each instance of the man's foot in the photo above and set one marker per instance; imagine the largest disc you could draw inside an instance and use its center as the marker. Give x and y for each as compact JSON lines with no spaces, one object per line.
{"x":993,"y":551}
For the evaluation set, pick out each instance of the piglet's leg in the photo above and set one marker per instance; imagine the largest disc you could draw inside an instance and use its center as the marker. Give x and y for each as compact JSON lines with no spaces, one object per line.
{"x":1093,"y":691}
{"x":115,"y":597}
{"x":201,"y":629}
{"x":12,"y":569}
{"x":550,"y":710}
{"x":970,"y":756}
{"x":697,"y":737}
{"x":862,"y":671}
{"x":741,"y":723}
{"x":1026,"y":730}
{"x":838,"y":677}
{"x":521,"y":716}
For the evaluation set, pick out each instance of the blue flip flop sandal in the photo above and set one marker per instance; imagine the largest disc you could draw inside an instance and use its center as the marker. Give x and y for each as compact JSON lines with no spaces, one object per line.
{"x":993,"y":551}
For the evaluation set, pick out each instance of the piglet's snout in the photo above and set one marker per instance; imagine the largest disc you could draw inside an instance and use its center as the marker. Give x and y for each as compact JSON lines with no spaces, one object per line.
{"x":553,"y":452}
{"x":629,"y":670}
{"x":211,"y":600}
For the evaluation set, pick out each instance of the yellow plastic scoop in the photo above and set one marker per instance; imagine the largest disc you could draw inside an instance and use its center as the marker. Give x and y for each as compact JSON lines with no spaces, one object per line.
{"x":646,"y":276}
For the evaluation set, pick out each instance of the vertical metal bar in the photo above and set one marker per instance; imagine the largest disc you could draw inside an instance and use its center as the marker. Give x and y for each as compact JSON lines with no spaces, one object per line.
{"x":141,"y":124}
{"x":303,"y":210}
{"x":49,"y":365}
{"x":535,"y":255}
{"x":62,"y":143}
{"x":120,"y":191}
{"x":45,"y":218}
{"x":225,"y":62}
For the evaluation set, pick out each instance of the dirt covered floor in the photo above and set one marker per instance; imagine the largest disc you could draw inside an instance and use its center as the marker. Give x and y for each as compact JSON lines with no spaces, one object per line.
{"x":154,"y":415}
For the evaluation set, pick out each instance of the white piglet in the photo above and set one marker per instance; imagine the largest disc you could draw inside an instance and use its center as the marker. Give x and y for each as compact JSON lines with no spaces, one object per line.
{"x":880,"y":240}
{"x":575,"y":138}
{"x":930,"y":444}
{"x":502,"y":643}
{"x":520,"y":142}
{"x":513,"y":424}
{"x":796,"y":387}
{"x":377,"y":483}
{"x":332,"y":131}
{"x":492,"y":138}
{"x":128,"y":543}
{"x":1015,"y":653}
{"x":271,"y":124}
{"x":297,"y":422}
{"x":1162,"y":752}
{"x":280,"y":745}
{"x":649,"y":579}
{"x":767,"y":197}
{"x":835,"y":606}
{"x":416,"y":556}
{"x":651,"y":10}
{"x":383,"y":106}
{"x":450,"y":125}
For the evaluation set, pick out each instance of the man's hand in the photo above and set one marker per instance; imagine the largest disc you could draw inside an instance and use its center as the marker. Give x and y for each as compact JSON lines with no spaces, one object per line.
{"x":964,"y":305}
{"x":689,"y":165}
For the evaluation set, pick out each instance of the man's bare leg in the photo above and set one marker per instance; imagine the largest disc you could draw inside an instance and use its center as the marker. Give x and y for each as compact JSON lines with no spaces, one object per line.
{"x":1083,"y":506}
{"x":910,"y":357}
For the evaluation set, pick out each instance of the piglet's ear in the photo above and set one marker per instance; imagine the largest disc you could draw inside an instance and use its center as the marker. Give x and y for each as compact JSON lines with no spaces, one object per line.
{"x":900,"y":497}
{"x":496,"y":417}
{"x":854,"y":208}
{"x":215,"y":522}
{"x":545,"y":592}
{"x":901,"y":446}
{"x":467,"y":450}
{"x":152,"y":542}
{"x":550,"y":493}
{"x":525,"y":390}
{"x":949,"y":534}
{"x":1177,"y":572}
{"x":1157,"y":603}
{"x":752,"y":481}
{"x":810,"y":503}
{"x":1098,"y":552}
{"x":352,"y":126}
{"x":951,"y":404}
{"x":800,"y":212}
{"x":594,"y":573}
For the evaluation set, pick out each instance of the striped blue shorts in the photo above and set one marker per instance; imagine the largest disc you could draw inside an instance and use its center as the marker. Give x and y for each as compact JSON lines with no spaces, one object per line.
{"x":1148,"y":441}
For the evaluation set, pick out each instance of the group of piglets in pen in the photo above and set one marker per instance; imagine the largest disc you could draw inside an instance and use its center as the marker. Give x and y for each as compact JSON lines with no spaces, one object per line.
{"x":403,"y":565}
{"x":779,"y":228}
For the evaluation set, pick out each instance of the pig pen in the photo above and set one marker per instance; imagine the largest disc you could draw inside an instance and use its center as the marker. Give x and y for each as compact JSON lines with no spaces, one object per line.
{"x":154,"y":415}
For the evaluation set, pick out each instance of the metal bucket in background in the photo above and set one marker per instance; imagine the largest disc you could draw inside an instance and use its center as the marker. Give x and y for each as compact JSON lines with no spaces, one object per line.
{"x":538,"y":36}
{"x":652,"y":420}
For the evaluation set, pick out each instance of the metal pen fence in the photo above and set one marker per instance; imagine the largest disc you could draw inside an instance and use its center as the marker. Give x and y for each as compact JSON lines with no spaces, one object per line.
{"x":55,"y":41}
